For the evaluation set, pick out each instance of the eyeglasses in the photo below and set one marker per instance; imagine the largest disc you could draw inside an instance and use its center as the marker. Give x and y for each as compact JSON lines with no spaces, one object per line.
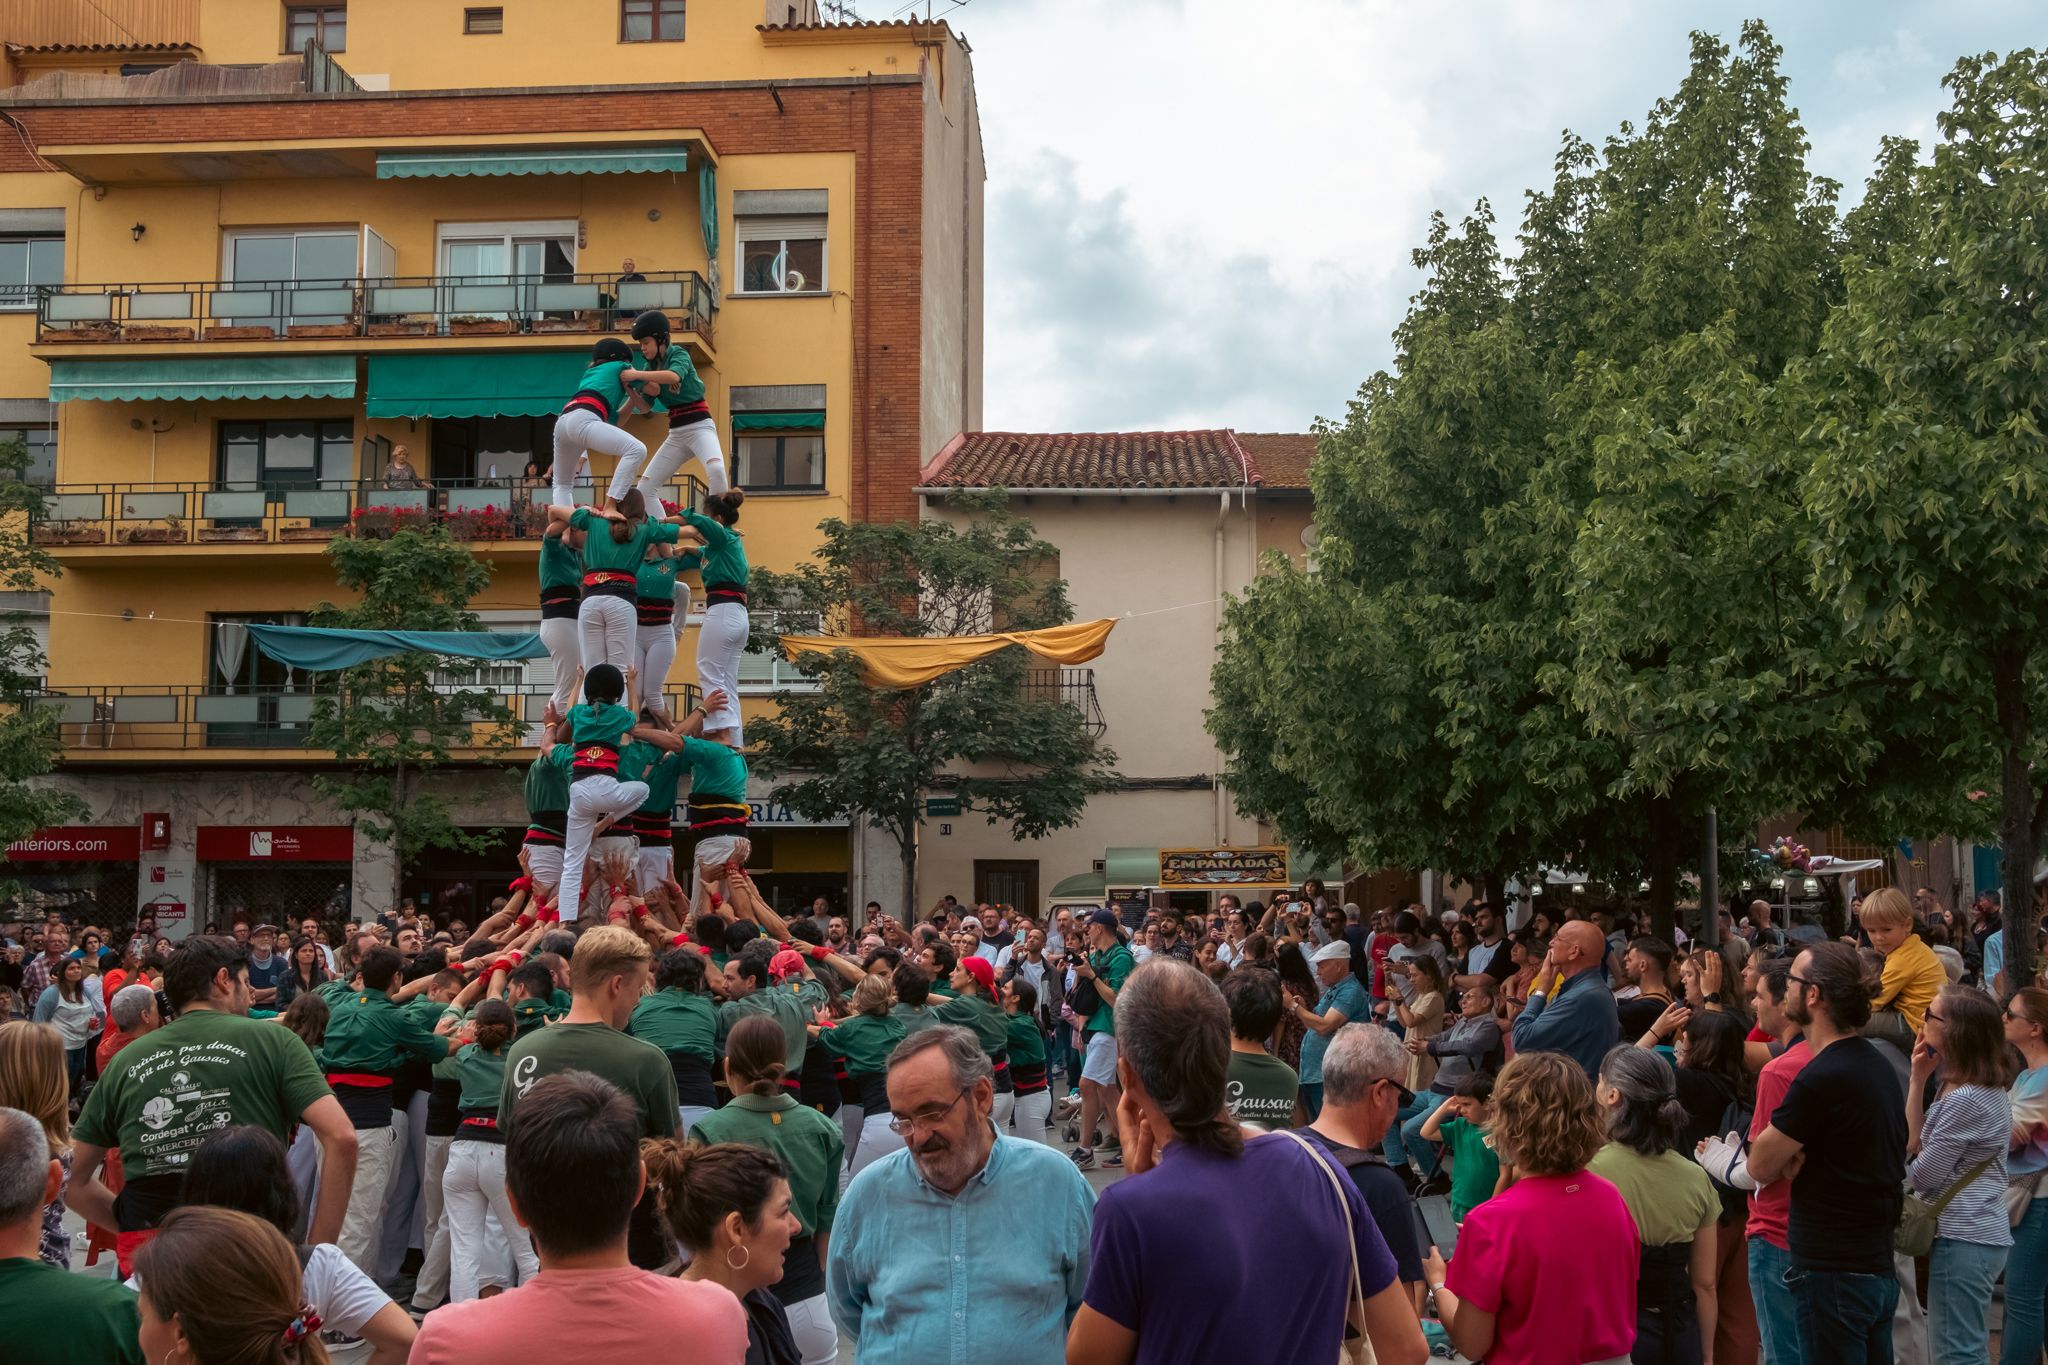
{"x":1797,"y":979}
{"x":2016,"y":1018}
{"x":1935,"y":1017}
{"x":1407,"y":1095}
{"x":901,"y":1125}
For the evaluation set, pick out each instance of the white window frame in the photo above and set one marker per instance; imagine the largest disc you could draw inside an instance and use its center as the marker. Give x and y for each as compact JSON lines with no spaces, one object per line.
{"x":294,"y":231}
{"x":507,"y":231}
{"x":25,"y":301}
{"x":800,"y":227}
{"x":10,"y":430}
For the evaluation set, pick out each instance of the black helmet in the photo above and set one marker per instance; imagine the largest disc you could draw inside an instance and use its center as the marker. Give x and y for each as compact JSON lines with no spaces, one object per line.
{"x":604,"y":682}
{"x":610,"y":349}
{"x":652,"y":323}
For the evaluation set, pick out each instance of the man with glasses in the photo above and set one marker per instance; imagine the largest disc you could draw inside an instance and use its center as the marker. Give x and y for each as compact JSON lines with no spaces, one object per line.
{"x":961,"y":1246}
{"x":1839,"y":1134}
{"x":1362,"y":1096}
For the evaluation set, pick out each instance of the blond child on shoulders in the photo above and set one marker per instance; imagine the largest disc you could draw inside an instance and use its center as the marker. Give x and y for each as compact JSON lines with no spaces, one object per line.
{"x":1913,"y":975}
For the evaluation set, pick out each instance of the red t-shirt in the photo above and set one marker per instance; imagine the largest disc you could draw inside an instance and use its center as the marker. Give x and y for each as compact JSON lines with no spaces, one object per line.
{"x":1382,"y":944}
{"x":1770,"y":1208}
{"x":1554,"y":1259}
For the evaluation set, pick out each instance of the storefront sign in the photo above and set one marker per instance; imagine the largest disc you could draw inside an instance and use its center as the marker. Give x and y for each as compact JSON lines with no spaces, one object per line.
{"x":277,"y":843}
{"x":1231,"y":867}
{"x":775,"y":814}
{"x":79,"y":843}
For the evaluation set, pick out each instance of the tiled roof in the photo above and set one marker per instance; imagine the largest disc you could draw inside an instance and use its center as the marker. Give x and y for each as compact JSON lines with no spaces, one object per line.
{"x":851,"y":25}
{"x":99,"y":47}
{"x":1281,"y":456}
{"x":1090,"y":459}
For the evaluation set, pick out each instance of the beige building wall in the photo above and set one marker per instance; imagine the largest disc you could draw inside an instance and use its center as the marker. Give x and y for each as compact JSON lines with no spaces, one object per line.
{"x":1160,"y":565}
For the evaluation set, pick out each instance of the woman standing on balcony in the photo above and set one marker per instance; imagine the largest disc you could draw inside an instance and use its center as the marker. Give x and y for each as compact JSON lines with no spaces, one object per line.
{"x":691,"y":432}
{"x":586,"y":422}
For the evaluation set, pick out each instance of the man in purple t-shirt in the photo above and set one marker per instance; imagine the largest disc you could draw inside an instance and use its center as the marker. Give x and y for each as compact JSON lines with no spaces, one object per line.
{"x":1273,"y":1282}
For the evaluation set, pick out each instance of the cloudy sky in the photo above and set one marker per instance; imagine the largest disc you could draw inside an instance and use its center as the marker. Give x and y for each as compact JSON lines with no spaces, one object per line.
{"x":1200,"y":213}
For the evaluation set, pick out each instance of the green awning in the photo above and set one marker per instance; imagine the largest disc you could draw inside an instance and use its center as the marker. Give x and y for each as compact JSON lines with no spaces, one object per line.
{"x":234,"y":376}
{"x":532,"y":161}
{"x":1125,"y":869}
{"x":778,"y":421}
{"x":1082,"y":886}
{"x":455,"y":384}
{"x":1302,"y":867}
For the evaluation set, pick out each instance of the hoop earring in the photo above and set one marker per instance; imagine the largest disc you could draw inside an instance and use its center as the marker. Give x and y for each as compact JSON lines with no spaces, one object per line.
{"x":744,"y":1252}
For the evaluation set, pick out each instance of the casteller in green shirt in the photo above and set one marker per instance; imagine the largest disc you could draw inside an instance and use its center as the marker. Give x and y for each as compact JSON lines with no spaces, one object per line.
{"x":169,"y":1090}
{"x":865,"y":1041}
{"x":52,"y":1317}
{"x":638,"y":1068}
{"x":677,"y":1021}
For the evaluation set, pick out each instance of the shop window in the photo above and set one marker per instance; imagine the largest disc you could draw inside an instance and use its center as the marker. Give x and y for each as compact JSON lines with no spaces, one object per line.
{"x":27,"y":262}
{"x":779,"y":461}
{"x":326,"y":25}
{"x":781,"y":254}
{"x":483,"y":20}
{"x":41,"y":470}
{"x":288,"y":454}
{"x":650,"y":21}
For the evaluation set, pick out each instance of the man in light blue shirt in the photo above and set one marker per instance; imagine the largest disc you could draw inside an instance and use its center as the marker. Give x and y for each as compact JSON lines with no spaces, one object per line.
{"x":965,"y":1246}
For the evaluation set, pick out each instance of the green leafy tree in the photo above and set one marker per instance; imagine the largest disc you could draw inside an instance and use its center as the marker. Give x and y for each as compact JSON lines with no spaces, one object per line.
{"x":28,"y":735}
{"x":1013,"y":755}
{"x":394,"y":722}
{"x":1929,"y":484}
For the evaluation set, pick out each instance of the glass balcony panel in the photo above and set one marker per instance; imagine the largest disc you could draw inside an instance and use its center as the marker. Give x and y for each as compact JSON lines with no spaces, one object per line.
{"x":80,"y":307}
{"x":317,"y":504}
{"x":640,"y":295}
{"x":224,"y":710}
{"x":468,"y":299}
{"x":403,"y":299}
{"x":228,"y":304}
{"x":159,"y":307}
{"x":70,"y":710}
{"x":152,"y":506}
{"x":479,"y":499}
{"x":564,"y":298}
{"x":146,"y":710}
{"x":75,"y":507}
{"x":220,"y":506}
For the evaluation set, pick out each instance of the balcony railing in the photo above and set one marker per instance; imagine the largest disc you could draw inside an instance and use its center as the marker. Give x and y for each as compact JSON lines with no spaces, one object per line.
{"x":1074,"y":686}
{"x":115,"y":719}
{"x":411,"y":306}
{"x":317,"y":510}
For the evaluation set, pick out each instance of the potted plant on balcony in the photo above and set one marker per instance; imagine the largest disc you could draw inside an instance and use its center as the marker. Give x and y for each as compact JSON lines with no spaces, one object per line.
{"x":241,"y":333}
{"x":70,"y":533}
{"x":309,"y":531}
{"x":170,"y":531}
{"x":379,"y":523}
{"x":321,"y":329}
{"x":155,"y":331}
{"x":470,"y":324}
{"x":480,"y":523}
{"x":234,"y":535}
{"x":400,"y":327}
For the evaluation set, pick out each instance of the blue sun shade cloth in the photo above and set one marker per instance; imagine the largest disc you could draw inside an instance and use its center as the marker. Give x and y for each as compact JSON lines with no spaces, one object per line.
{"x":533,"y":161}
{"x":320,"y":650}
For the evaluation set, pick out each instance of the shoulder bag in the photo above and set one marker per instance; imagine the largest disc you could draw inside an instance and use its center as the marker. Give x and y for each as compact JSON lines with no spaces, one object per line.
{"x":1920,"y":1220}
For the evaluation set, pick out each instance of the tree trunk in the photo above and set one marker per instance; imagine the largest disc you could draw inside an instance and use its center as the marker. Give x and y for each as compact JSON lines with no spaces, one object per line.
{"x":1663,"y":819}
{"x":906,"y":849}
{"x":2015,"y":721}
{"x":397,"y":843}
{"x":1493,"y":889}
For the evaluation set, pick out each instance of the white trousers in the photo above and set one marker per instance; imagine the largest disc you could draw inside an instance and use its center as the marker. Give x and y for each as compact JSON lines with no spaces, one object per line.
{"x":690,"y":1115}
{"x":810,"y":1323}
{"x":405,"y":1204}
{"x":1030,"y":1114}
{"x":590,"y":799}
{"x":657,"y":866}
{"x":850,"y":1118}
{"x":698,"y":441}
{"x":546,"y":862}
{"x":432,"y":1286}
{"x":563,"y":636}
{"x":303,"y":1160}
{"x":720,"y":642}
{"x":579,"y":430}
{"x":376,"y":1159}
{"x":999,"y":1112}
{"x":654,"y":654}
{"x":475,"y":1188}
{"x":876,"y":1142}
{"x":607,"y":627}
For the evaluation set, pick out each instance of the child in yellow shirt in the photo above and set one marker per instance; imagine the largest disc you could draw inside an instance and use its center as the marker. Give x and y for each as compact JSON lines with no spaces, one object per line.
{"x":1913,"y":975}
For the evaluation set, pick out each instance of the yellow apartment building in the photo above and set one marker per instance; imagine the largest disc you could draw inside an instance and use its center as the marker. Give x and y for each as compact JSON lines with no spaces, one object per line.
{"x":248,"y":248}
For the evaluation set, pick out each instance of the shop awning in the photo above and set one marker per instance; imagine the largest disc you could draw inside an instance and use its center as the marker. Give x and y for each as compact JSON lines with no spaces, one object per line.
{"x":1302,"y":867}
{"x":236,"y":376}
{"x":778,"y":421}
{"x":1128,"y":868}
{"x":1082,"y":886}
{"x":318,"y":649}
{"x":532,"y":161}
{"x":453,"y":384}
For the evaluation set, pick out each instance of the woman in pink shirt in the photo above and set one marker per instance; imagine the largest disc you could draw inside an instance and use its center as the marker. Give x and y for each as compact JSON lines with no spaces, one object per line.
{"x":1545,"y":1272}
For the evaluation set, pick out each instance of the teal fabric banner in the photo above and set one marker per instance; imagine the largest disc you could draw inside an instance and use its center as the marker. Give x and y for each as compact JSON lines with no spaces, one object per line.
{"x":321,"y":650}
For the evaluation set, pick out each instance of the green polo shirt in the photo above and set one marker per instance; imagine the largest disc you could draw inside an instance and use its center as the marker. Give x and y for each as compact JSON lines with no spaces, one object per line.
{"x":663,"y":776}
{"x":690,"y":386}
{"x":810,"y":1146}
{"x":482,"y":1075}
{"x":864,"y":1041}
{"x":1026,"y":1043}
{"x":367,"y":1032}
{"x":530,"y":1014}
{"x":1115,"y":966}
{"x":547,"y":786}
{"x":560,"y":565}
{"x":677,"y":1021}
{"x":991,"y":1026}
{"x":725,"y":559}
{"x":657,"y":577}
{"x":789,"y":1004}
{"x":914,"y":1018}
{"x":638,"y":1068}
{"x":602,"y":554}
{"x":715,"y":769}
{"x":49,"y":1317}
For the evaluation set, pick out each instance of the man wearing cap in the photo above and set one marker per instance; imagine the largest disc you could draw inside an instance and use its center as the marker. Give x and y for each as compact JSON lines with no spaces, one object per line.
{"x":1108,"y":965}
{"x":267,"y":967}
{"x":973,"y":1006}
{"x":1342,"y":1002}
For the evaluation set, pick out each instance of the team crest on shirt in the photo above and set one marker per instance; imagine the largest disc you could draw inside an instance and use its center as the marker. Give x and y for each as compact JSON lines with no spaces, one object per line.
{"x":593,"y":754}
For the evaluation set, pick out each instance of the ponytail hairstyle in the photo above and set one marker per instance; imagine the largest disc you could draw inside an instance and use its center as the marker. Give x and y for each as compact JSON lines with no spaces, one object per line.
{"x":726,"y":506}
{"x":1649,"y":1117}
{"x":633,"y":507}
{"x":873,"y":996}
{"x":756,"y":1056}
{"x":699,"y":1187}
{"x":233,"y":1283}
{"x":1173,"y":1029}
{"x":495,"y":1025}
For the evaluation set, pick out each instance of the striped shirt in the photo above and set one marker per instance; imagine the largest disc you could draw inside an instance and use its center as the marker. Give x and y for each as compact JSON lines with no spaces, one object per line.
{"x":1963,"y":1127}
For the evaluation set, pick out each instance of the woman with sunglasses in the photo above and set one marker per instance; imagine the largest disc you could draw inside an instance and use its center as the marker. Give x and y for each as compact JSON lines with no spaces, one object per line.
{"x":1956,"y":1148}
{"x":2026,"y":1268}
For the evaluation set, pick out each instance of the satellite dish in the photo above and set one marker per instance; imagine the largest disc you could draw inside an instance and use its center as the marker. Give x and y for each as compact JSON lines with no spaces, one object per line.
{"x":1311,"y":536}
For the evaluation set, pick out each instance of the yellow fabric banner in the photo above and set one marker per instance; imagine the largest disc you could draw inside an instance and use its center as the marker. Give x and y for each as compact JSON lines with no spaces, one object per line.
{"x":897,"y":661}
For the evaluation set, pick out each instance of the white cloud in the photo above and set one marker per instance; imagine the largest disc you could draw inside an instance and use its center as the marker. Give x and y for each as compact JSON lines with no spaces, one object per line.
{"x":1201,"y":213}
